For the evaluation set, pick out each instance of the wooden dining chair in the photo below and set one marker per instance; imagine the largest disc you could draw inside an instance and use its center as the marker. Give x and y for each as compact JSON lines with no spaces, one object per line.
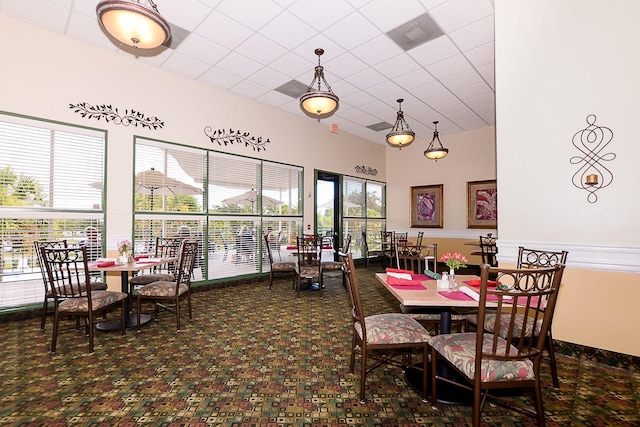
{"x":278,"y":267}
{"x":70,"y":282}
{"x":489,"y":250}
{"x":166,"y":247}
{"x":48,"y":291}
{"x":332,"y":266}
{"x":381,"y":338}
{"x":487,"y":361}
{"x":309,"y":265}
{"x":163,"y":292}
{"x":531,"y":258}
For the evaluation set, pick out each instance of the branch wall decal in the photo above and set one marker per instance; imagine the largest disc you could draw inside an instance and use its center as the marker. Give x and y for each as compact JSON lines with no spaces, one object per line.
{"x":366,"y":170}
{"x":110,"y":114}
{"x":222,"y":137}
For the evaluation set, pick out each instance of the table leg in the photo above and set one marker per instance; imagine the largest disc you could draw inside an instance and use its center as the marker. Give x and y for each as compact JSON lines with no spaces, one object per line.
{"x":132,"y":318}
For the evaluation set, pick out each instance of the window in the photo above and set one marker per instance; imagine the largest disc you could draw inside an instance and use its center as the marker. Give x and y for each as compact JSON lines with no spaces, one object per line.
{"x":46,"y":194}
{"x":364,"y":212}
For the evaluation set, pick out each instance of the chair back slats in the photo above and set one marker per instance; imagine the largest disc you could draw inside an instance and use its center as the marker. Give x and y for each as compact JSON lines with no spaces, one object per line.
{"x":49,"y":244}
{"x":168,"y":247}
{"x":309,"y":248}
{"x":267,"y":246}
{"x":523,"y":292}
{"x":67,"y":272}
{"x":186,"y":261}
{"x":357,"y":310}
{"x":535,"y":258}
{"x":489,"y":249}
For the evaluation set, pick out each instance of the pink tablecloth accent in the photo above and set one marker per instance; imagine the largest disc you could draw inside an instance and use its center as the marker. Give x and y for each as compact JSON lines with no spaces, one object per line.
{"x":421,"y":277}
{"x":409,"y":287}
{"x":462,"y":296}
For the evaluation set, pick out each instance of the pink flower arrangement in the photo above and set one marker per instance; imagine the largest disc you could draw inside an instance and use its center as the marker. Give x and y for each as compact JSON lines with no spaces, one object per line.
{"x":124,"y":246}
{"x":454,"y":260}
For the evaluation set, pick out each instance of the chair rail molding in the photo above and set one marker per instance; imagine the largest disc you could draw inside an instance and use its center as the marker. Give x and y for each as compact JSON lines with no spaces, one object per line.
{"x":591,"y":257}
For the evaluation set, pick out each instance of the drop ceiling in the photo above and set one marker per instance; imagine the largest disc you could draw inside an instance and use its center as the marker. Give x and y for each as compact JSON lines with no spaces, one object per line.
{"x":375,"y":53}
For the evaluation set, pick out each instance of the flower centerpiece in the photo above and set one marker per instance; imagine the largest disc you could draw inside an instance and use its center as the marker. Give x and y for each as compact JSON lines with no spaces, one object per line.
{"x":124,"y":247}
{"x":453,"y":260}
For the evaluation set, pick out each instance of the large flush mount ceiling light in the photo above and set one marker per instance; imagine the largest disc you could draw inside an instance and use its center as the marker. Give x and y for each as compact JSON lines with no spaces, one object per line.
{"x":435,"y":152}
{"x":401,"y":134}
{"x":133,"y":23}
{"x":318,"y":103}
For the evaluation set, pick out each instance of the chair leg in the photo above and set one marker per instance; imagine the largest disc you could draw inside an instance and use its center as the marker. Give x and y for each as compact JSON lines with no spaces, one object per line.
{"x":178,"y":312}
{"x":434,"y":394}
{"x":538,"y":402}
{"x":45,"y":308}
{"x":138,"y":302}
{"x":552,"y":360}
{"x":477,"y":396}
{"x":54,"y":336}
{"x":270,"y":279}
{"x":124,"y":317}
{"x":363,"y":371}
{"x":189,"y":306}
{"x":91,"y":332}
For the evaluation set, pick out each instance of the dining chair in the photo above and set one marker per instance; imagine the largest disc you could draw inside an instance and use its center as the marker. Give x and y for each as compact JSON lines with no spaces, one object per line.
{"x":381,"y":338}
{"x":488,"y":250}
{"x":332,"y":266}
{"x":399,"y":242}
{"x":48,"y":292}
{"x":166,"y":247}
{"x":309,"y":265}
{"x":531,"y":258}
{"x":487,"y":361}
{"x":171,"y":291}
{"x":70,"y":282}
{"x":278,"y":267}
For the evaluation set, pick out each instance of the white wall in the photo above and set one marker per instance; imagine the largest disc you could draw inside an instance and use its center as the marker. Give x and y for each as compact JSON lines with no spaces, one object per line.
{"x":43,"y":72}
{"x":556,"y":63}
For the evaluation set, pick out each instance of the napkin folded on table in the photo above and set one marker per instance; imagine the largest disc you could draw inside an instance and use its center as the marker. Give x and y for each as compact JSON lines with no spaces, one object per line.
{"x":400,"y":274}
{"x":138,"y":257}
{"x":420,"y":277}
{"x":431,"y":274}
{"x":476,"y":296}
{"x":105,"y":263}
{"x":476,"y":282}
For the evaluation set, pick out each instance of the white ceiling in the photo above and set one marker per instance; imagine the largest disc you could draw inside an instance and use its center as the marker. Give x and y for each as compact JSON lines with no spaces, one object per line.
{"x":251,"y":47}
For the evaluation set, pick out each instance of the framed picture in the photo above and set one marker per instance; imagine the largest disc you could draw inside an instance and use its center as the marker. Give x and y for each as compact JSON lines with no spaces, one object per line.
{"x":426,"y":206}
{"x":482,"y":204}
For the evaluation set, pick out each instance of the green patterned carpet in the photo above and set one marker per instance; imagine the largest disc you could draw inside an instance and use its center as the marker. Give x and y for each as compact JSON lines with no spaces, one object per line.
{"x":254,"y":357}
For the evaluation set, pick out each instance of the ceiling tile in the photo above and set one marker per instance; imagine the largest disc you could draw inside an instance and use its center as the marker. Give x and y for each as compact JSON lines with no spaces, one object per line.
{"x":481,"y":55}
{"x":239,"y":64}
{"x":343,"y":34}
{"x":287,"y":30}
{"x":343,"y":66}
{"x":387,"y":18}
{"x":220,"y":78}
{"x":429,"y":90}
{"x":202,"y":49}
{"x":261,"y":49}
{"x":488,"y":71}
{"x":222,"y":30}
{"x":324,"y":15}
{"x":414,"y":79}
{"x":39,"y":12}
{"x":187,"y":14}
{"x":84,"y":28}
{"x":397,"y":66}
{"x":185,"y":65}
{"x":269,"y":77}
{"x":474,"y":35}
{"x":249,"y":89}
{"x":253,"y":13}
{"x":455,"y":14}
{"x":377,"y":50}
{"x":434,"y":51}
{"x":366,"y":78}
{"x":450,"y":66}
{"x":464,"y":79}
{"x":473,"y":91}
{"x":293,"y":65}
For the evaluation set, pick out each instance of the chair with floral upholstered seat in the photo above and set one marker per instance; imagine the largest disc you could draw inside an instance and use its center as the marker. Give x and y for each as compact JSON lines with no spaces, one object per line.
{"x":486,"y":361}
{"x":70,"y":281}
{"x":530,"y":258}
{"x":381,"y":338}
{"x":48,"y":292}
{"x":164,"y":292}
{"x":309,"y":250}
{"x":278,"y":267}
{"x":331,"y":266}
{"x":166,"y":247}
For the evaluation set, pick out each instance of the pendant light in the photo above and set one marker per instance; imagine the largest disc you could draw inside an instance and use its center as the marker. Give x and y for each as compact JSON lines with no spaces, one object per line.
{"x":401,"y":134}
{"x":134,"y":24}
{"x":318,"y":103}
{"x":437,"y":152}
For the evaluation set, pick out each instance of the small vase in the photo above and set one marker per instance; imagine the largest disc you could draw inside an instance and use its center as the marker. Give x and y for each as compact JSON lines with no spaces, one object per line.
{"x":123,"y":259}
{"x":452,"y":279}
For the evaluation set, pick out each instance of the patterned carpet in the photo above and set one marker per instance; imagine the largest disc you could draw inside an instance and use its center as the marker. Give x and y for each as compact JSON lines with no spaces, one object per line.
{"x":254,"y":357}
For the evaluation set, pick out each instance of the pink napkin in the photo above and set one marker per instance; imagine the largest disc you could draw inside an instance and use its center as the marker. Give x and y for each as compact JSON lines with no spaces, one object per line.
{"x":397,"y":270}
{"x":106,"y":264}
{"x":396,"y":283}
{"x":476,"y":283}
{"x":421,"y":277}
{"x":138,"y":257}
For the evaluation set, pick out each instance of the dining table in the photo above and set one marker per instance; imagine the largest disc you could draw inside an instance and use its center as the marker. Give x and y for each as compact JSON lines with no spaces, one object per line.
{"x":139,"y":263}
{"x":422,"y":291}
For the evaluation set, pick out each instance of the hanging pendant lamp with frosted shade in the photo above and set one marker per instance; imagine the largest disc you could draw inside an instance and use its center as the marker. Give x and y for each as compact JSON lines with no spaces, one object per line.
{"x":401,"y":134}
{"x":435,"y":152}
{"x":134,"y":24}
{"x":318,"y":103}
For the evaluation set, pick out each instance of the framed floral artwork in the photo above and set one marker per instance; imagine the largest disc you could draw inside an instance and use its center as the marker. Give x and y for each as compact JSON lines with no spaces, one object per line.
{"x":426,"y":206}
{"x":482,"y":204}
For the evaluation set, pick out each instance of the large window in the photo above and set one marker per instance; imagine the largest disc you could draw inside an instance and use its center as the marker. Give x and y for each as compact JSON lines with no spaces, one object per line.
{"x":243,"y":199}
{"x":51,"y":188}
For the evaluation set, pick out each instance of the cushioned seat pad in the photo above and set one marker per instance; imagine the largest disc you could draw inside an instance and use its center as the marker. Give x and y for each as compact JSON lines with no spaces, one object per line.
{"x":162,"y":289}
{"x":145,"y":279}
{"x":460,"y":350}
{"x":392,"y":328}
{"x":99,"y":299}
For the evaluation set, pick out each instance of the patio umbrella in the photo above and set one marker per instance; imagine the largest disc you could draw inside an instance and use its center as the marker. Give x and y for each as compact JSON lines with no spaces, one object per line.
{"x":156,"y":183}
{"x":251,"y":197}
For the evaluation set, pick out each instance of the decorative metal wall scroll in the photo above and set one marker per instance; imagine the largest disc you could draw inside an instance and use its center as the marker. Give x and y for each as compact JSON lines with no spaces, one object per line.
{"x":366,"y":170}
{"x":221,"y":136}
{"x":592,"y":174}
{"x":110,"y":114}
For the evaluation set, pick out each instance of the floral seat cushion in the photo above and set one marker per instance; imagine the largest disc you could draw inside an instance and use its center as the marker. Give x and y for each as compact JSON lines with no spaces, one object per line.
{"x":307,"y":270}
{"x":145,"y":279}
{"x":162,"y":289}
{"x":99,"y":299}
{"x":282,"y":266}
{"x":460,"y":350}
{"x":393,"y":328}
{"x":95,"y":286}
{"x":331,"y":265}
{"x":490,"y":324}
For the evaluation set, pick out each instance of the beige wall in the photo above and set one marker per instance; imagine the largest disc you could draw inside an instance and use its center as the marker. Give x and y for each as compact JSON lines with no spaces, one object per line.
{"x":547,"y":82}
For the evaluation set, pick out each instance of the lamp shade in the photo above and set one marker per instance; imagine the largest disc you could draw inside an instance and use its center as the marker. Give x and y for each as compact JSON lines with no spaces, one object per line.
{"x":433,"y":151}
{"x":316,"y":102}
{"x":401,"y":134}
{"x":133,"y":24}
